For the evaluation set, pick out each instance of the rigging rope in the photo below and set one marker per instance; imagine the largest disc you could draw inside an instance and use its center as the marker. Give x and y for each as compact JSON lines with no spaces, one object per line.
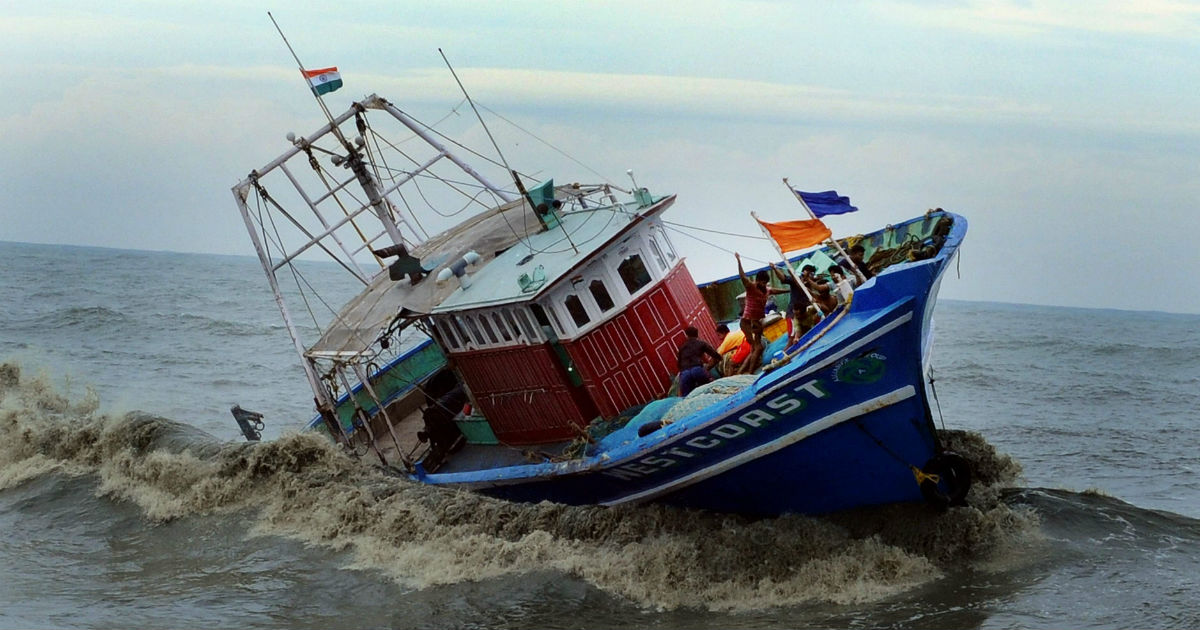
{"x":374,"y":136}
{"x":554,"y":148}
{"x":714,"y":245}
{"x":453,"y":184}
{"x":758,"y":237}
{"x":291,"y":268}
{"x":935,"y":398}
{"x":920,"y":475}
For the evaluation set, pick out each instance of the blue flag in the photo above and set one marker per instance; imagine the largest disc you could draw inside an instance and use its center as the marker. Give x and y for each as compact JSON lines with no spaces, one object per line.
{"x":826,"y":203}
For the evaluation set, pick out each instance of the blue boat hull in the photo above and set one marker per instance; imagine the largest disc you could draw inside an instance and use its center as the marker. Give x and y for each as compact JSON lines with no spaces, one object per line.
{"x":845,"y":423}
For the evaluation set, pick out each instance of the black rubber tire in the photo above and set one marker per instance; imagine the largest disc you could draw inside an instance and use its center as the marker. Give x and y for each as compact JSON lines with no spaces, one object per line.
{"x":649,"y":427}
{"x":954,"y":480}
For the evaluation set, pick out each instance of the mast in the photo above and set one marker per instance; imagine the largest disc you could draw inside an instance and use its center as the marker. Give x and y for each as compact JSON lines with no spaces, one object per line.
{"x":353,"y":158}
{"x":322,"y":395}
{"x":836,"y":244}
{"x":337,"y":132}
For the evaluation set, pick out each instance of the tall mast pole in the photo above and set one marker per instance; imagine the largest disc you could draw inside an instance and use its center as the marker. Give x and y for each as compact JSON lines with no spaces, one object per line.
{"x":516,"y":178}
{"x":353,"y":159}
{"x":328,"y":116}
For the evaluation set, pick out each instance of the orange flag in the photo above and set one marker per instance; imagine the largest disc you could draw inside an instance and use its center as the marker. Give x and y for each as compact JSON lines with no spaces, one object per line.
{"x":794,"y":235}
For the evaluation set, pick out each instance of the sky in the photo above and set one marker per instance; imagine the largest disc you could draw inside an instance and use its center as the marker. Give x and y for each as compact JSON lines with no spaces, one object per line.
{"x":1065,"y":132}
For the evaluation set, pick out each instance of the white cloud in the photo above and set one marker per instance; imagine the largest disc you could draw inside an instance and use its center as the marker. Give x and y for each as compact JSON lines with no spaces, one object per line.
{"x":744,"y":100}
{"x":1164,"y":18}
{"x":1050,"y":129}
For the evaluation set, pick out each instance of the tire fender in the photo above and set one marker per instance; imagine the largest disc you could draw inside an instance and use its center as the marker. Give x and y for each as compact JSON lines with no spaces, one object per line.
{"x":954,"y":480}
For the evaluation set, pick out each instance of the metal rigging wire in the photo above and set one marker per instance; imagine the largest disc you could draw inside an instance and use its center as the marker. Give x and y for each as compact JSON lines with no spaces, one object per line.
{"x":758,"y":237}
{"x":552,"y":147}
{"x":714,"y":245}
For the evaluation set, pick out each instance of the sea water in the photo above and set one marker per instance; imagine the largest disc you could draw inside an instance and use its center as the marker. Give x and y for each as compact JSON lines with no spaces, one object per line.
{"x":129,"y":498}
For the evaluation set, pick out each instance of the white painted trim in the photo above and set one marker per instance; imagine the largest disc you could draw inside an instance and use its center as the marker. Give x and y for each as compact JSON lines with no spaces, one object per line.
{"x":881,"y":331}
{"x":812,"y":428}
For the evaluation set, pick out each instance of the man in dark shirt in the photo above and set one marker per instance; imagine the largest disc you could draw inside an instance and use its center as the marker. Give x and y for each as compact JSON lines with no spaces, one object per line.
{"x":692,"y":369}
{"x":857,"y":263}
{"x":797,"y":303}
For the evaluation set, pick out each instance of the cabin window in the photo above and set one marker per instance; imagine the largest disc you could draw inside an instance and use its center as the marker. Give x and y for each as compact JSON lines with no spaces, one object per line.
{"x":633,"y":273}
{"x":600,"y":294}
{"x":530,"y":332}
{"x":437,"y":335}
{"x":474,"y":328}
{"x":512,"y":324}
{"x":668,"y":249}
{"x":547,"y":318}
{"x":459,"y":330}
{"x":501,"y":327}
{"x":539,"y":314}
{"x":447,"y":334}
{"x":487,"y":329}
{"x":558,"y":327}
{"x":658,"y":255}
{"x":578,"y":313}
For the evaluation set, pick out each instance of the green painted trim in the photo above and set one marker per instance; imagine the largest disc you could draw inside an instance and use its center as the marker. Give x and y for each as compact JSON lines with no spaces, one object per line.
{"x":326,"y":88}
{"x":397,"y":380}
{"x":477,"y":430}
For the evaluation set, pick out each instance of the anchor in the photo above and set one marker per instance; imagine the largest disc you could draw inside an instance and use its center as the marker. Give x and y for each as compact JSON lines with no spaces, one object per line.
{"x":250,"y":422}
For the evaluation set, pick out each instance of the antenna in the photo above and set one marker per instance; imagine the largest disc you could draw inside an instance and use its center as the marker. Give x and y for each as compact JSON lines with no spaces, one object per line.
{"x":476,"y":110}
{"x":516,"y":178}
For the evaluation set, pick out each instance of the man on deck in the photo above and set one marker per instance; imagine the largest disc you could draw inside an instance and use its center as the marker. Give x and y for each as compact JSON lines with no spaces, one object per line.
{"x":856,"y":261}
{"x":693,"y":369}
{"x":821,"y":290}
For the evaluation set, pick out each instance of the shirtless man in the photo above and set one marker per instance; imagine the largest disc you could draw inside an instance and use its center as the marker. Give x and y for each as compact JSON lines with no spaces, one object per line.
{"x":822,"y":290}
{"x":752,"y":313}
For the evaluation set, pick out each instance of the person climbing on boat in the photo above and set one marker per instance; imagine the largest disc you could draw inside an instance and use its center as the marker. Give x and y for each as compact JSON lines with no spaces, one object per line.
{"x":822,"y":290}
{"x":843,"y":284}
{"x":757,"y":292}
{"x":798,"y":304}
{"x":856,"y":254}
{"x":731,"y":342}
{"x":723,"y":346}
{"x":751,"y":350}
{"x":806,"y":318}
{"x":756,"y":295}
{"x":693,"y":368}
{"x":722,"y":332}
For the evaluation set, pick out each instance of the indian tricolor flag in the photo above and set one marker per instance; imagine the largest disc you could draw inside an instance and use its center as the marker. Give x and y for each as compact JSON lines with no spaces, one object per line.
{"x":324,"y":80}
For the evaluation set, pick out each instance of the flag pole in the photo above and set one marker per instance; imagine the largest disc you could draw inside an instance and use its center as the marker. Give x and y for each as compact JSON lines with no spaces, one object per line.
{"x":849,"y":261}
{"x":333,"y":126}
{"x":786,"y":264}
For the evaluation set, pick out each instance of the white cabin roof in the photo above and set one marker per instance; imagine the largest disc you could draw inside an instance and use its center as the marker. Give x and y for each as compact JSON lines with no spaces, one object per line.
{"x":511,"y":230}
{"x":498,"y":281}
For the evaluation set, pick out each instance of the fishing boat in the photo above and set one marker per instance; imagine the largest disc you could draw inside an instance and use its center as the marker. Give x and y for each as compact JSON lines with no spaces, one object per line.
{"x":529,"y":350}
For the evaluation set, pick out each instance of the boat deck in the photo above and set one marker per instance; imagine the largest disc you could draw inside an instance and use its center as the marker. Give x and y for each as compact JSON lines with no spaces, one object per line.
{"x":469,"y":457}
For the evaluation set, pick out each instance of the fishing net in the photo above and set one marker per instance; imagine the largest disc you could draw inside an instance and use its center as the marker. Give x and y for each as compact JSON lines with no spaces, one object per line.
{"x":708,"y":394}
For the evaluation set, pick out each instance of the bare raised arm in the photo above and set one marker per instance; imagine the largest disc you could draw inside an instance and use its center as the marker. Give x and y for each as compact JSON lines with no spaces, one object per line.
{"x":741,"y":272}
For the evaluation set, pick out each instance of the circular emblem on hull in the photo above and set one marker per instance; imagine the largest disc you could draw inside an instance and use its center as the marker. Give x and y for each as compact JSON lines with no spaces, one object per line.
{"x":861,"y":371}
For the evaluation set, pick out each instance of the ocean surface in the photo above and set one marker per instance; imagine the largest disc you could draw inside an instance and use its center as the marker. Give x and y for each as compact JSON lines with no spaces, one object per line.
{"x":128,"y":497}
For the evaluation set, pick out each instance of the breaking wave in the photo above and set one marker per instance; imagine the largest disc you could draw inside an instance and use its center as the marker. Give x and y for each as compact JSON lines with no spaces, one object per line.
{"x":303,"y":487}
